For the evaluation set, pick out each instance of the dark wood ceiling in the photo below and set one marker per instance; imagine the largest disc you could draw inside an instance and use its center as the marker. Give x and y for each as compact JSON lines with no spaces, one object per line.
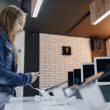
{"x":85,"y":29}
{"x":64,"y":17}
{"x":4,"y":3}
{"x":59,"y":16}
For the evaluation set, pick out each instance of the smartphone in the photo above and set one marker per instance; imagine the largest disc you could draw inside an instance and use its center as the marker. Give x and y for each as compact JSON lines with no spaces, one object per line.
{"x":38,"y":73}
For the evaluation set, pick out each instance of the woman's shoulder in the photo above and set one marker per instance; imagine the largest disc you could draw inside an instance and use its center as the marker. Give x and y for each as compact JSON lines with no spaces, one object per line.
{"x":3,"y":35}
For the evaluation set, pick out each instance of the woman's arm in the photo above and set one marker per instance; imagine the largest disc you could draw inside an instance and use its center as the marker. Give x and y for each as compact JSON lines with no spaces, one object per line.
{"x":11,"y":78}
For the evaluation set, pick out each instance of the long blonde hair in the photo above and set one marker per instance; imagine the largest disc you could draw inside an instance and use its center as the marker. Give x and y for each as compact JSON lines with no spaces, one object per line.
{"x":8,"y":16}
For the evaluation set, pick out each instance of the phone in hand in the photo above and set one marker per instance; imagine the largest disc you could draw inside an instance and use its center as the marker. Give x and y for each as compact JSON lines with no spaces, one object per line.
{"x":37,"y":73}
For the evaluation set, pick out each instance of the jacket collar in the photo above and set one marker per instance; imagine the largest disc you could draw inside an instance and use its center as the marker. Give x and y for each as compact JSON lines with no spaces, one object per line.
{"x":5,"y":34}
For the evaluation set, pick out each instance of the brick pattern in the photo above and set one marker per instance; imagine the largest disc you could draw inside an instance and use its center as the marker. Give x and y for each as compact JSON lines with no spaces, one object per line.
{"x":53,"y":65}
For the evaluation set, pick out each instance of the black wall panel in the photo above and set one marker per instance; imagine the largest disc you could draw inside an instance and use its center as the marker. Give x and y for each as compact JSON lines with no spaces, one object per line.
{"x":31,"y":59}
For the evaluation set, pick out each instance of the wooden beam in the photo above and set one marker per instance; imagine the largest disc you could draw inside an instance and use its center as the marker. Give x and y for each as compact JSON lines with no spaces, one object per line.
{"x":98,"y":8}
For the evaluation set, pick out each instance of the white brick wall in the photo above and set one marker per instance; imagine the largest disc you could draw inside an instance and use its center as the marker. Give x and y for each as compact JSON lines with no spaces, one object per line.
{"x":20,"y":45}
{"x":108,"y":47}
{"x":53,"y":65}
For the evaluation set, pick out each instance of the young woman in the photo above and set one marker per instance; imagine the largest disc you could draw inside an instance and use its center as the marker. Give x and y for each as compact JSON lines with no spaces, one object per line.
{"x":12,"y":21}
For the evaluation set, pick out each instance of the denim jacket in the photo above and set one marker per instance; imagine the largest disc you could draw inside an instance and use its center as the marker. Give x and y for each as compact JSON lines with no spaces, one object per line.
{"x":8,"y":75}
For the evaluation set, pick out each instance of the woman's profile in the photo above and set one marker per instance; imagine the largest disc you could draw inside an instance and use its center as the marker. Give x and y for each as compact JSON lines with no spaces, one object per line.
{"x":12,"y":21}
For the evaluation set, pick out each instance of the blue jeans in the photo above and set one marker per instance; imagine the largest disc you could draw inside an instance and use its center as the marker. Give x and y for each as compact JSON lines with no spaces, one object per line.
{"x":4,"y":98}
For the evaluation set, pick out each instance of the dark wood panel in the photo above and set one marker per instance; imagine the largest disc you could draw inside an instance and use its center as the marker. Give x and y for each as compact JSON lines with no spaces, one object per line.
{"x":98,"y":47}
{"x":31,"y":59}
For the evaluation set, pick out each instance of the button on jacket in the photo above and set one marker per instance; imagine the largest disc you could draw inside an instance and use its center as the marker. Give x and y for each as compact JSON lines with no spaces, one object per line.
{"x":8,"y":66}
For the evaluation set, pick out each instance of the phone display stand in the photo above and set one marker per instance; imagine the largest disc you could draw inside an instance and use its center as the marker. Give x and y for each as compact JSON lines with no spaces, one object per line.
{"x":92,"y":96}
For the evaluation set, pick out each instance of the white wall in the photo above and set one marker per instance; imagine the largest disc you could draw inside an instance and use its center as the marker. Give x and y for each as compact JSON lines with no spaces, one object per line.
{"x":54,"y":66}
{"x":20,"y":46}
{"x":108,"y":47}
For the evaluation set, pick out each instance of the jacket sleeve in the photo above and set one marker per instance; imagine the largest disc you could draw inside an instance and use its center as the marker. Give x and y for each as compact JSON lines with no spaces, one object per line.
{"x":11,"y":78}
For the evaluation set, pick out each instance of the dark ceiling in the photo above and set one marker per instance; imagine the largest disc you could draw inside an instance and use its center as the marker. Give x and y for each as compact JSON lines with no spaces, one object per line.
{"x":63,"y":17}
{"x":60,"y":16}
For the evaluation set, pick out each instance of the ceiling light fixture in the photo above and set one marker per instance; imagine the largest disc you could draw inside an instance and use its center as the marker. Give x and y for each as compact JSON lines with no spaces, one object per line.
{"x":99,"y":10}
{"x":37,"y":8}
{"x":102,"y":17}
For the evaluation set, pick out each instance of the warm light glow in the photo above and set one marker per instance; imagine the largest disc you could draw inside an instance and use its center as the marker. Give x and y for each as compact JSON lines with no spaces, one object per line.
{"x":37,"y":8}
{"x":101,"y":18}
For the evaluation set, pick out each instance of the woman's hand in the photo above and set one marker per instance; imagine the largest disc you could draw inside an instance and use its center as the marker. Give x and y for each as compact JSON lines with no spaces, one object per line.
{"x":35,"y":75}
